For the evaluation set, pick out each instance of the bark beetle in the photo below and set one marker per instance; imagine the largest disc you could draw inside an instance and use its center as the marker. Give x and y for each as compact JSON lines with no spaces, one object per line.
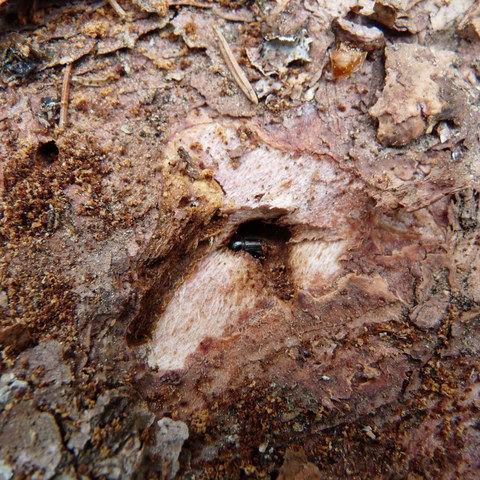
{"x":137,"y":343}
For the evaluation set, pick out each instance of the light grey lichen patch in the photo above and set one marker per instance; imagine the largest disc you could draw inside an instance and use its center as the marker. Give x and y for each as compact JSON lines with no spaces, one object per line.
{"x":6,"y":471}
{"x":170,"y":437}
{"x":33,"y":442}
{"x":278,"y":52}
{"x":9,"y":384}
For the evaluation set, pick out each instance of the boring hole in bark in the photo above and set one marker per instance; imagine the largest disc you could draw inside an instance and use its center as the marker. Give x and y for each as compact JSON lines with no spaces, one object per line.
{"x":271,"y":233}
{"x":268,"y":242}
{"x":203,"y":290}
{"x":48,"y":152}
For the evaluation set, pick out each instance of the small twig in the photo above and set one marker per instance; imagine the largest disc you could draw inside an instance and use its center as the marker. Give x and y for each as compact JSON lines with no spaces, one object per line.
{"x":238,"y":75}
{"x":187,"y":3}
{"x":118,"y":9}
{"x":64,"y":100}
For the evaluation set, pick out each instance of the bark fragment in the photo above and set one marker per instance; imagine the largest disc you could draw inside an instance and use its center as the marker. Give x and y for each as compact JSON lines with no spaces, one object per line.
{"x":296,"y":466}
{"x":412,"y":100}
{"x":469,"y":27}
{"x":368,"y":38}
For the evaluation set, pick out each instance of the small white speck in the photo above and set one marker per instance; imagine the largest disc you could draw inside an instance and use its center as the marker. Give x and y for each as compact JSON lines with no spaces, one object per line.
{"x":126,"y":129}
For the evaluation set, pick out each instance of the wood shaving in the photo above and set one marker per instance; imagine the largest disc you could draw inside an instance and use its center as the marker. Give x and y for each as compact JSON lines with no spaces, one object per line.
{"x":187,"y":3}
{"x":238,"y":75}
{"x":118,"y":9}
{"x":64,"y":100}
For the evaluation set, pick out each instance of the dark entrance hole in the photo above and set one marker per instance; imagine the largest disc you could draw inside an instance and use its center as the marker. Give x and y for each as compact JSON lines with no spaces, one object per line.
{"x":268,"y":242}
{"x":259,"y":238}
{"x":48,"y":152}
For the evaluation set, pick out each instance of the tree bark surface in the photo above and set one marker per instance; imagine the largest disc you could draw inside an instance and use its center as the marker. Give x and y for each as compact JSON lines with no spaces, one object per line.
{"x":239,"y":239}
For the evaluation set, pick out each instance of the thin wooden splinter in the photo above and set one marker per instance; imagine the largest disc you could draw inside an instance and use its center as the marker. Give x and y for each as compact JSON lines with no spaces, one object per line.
{"x":188,"y":3}
{"x":118,"y":9}
{"x":65,"y":93}
{"x":238,"y":75}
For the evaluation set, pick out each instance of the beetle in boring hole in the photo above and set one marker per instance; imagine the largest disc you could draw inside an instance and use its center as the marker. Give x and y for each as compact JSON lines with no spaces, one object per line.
{"x":254,"y":246}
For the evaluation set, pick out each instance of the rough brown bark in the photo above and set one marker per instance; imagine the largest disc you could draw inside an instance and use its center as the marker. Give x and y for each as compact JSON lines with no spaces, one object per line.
{"x":136,"y":343}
